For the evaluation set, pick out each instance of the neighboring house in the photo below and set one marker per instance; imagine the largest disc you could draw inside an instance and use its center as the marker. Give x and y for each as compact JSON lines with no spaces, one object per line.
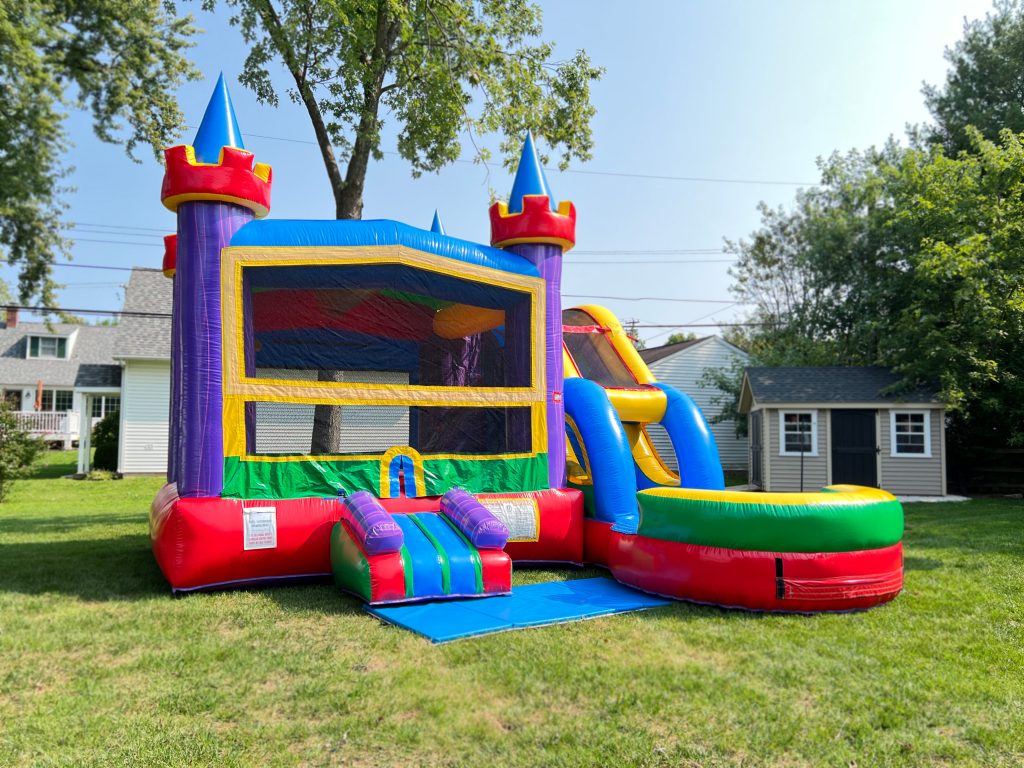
{"x":58,"y":378}
{"x":682,"y":365}
{"x":835,"y":425}
{"x":143,"y":348}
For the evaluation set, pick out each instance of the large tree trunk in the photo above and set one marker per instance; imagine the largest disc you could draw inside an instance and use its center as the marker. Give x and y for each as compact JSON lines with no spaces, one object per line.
{"x":347,"y":191}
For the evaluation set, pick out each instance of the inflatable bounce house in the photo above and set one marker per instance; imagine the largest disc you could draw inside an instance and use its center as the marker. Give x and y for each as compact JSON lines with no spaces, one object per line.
{"x":411,"y":413}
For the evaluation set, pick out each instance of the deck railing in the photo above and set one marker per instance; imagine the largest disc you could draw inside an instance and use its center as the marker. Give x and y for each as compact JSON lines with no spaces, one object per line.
{"x":47,"y":424}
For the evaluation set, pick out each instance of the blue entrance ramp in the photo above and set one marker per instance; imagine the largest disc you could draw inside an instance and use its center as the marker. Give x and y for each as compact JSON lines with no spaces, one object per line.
{"x":532,"y":605}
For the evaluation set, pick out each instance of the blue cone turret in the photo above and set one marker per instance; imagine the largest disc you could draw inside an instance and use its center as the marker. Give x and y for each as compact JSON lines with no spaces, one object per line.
{"x":530,"y":178}
{"x":436,"y":225}
{"x":219,"y":127}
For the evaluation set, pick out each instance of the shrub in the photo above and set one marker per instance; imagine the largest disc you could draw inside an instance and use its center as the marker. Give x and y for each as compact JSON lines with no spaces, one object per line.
{"x":18,"y":450}
{"x":104,"y":439}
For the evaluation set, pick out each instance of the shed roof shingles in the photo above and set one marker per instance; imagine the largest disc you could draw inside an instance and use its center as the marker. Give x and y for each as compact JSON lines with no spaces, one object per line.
{"x":832,"y":384}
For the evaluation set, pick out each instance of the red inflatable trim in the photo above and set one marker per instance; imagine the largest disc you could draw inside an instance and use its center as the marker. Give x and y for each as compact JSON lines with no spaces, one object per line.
{"x":170,"y":264}
{"x":199,"y":542}
{"x":763,"y":581}
{"x":233,"y":180}
{"x":597,"y":541}
{"x":537,"y":223}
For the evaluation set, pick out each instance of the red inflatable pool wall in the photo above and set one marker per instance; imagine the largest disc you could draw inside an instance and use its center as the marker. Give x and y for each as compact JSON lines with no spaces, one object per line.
{"x":765,"y":581}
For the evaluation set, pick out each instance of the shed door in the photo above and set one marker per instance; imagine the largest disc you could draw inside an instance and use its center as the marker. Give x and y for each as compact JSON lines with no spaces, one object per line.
{"x":854,"y":448}
{"x":754,"y":424}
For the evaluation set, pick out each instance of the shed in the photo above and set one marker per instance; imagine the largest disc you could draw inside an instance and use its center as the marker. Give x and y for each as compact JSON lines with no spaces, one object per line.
{"x":812,"y":427}
{"x":682,"y":365}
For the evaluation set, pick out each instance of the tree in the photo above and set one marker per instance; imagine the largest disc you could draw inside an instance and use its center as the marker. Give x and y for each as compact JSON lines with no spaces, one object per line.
{"x":906,"y":258}
{"x":18,"y":450}
{"x":420,"y":63}
{"x":678,"y":338}
{"x":105,"y":436}
{"x":984,"y":87}
{"x":123,"y":62}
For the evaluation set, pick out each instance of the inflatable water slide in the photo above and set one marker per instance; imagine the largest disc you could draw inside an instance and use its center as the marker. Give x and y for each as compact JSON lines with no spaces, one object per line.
{"x":681,"y":534}
{"x":410,"y":413}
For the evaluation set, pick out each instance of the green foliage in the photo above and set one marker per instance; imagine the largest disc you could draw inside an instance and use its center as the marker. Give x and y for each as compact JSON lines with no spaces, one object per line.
{"x":677,"y":338}
{"x":105,"y":436}
{"x":904,"y":258}
{"x":438,"y":69}
{"x":18,"y":450}
{"x":728,"y":382}
{"x":985,"y":82}
{"x":121,"y":61}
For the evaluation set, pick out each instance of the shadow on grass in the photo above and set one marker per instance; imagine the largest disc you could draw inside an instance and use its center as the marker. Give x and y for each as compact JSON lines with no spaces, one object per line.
{"x":123,"y":568}
{"x":52,"y":471}
{"x":63,"y":523}
{"x":117,"y":568}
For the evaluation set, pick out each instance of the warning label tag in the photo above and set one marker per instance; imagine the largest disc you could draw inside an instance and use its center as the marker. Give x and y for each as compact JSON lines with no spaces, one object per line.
{"x":260,"y":524}
{"x":521,"y":515}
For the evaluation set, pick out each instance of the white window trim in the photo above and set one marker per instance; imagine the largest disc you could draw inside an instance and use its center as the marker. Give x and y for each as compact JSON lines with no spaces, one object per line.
{"x":814,"y":433}
{"x":41,"y":336}
{"x":893,"y":453}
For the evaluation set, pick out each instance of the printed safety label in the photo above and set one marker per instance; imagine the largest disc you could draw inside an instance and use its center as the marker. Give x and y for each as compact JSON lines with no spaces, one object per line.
{"x":260,"y":524}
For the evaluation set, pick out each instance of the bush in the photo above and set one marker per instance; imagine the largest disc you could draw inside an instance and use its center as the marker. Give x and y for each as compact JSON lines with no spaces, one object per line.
{"x":104,"y":439}
{"x":18,"y":450}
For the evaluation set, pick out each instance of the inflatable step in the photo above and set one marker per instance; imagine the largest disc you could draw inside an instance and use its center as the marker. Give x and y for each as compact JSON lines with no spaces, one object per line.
{"x":388,"y":558}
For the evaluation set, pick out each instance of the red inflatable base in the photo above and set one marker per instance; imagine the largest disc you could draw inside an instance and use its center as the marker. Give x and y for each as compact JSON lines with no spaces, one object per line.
{"x":795,"y":582}
{"x":215,"y":543}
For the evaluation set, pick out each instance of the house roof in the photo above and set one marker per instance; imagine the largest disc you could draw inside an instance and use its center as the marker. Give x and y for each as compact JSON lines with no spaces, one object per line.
{"x":654,"y":354}
{"x":147,"y":338}
{"x":831,"y":384}
{"x":91,"y":363}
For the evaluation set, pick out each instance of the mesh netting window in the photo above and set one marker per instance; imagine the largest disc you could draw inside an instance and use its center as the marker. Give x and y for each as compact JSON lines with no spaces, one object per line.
{"x":432,"y":329}
{"x":593,"y":352}
{"x":287,"y":429}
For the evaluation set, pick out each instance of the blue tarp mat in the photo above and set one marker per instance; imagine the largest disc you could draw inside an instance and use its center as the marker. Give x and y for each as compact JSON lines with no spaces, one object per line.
{"x":532,"y":605}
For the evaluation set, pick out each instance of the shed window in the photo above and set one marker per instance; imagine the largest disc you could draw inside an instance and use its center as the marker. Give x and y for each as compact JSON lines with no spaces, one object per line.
{"x":911,"y":433}
{"x":798,"y":433}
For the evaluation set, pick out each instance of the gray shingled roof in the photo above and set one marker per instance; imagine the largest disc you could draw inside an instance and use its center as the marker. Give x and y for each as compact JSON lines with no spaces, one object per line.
{"x":91,"y":363}
{"x":657,"y":353}
{"x":831,"y":384}
{"x":146,"y":337}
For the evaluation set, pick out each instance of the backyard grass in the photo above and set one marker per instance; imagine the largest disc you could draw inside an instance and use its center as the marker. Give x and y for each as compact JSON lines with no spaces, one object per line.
{"x":100,"y":666}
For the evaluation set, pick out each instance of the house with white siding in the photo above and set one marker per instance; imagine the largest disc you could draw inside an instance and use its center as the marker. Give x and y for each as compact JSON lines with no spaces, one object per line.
{"x":58,"y":379}
{"x":682,"y":365}
{"x":143,"y":349}
{"x":812,"y":427}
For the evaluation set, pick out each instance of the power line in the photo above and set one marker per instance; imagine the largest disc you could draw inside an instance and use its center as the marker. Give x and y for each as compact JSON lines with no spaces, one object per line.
{"x":67,"y":310}
{"x":117,"y":242}
{"x":613,"y":174}
{"x":646,"y":261}
{"x":730,"y":302}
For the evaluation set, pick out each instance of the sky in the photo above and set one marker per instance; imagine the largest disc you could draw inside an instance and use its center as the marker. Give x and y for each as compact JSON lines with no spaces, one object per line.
{"x":707,"y":108}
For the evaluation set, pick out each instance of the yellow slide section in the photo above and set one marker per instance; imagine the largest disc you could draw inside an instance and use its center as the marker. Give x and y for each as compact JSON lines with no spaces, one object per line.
{"x":608,"y":355}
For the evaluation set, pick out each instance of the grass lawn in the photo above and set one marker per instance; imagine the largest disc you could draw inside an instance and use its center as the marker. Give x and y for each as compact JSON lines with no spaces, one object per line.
{"x":100,"y":666}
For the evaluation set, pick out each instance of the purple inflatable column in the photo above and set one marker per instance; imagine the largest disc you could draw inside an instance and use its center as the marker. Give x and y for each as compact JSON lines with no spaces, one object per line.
{"x":204,"y":228}
{"x":548,"y":260}
{"x":215,"y":189}
{"x":531,"y":226}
